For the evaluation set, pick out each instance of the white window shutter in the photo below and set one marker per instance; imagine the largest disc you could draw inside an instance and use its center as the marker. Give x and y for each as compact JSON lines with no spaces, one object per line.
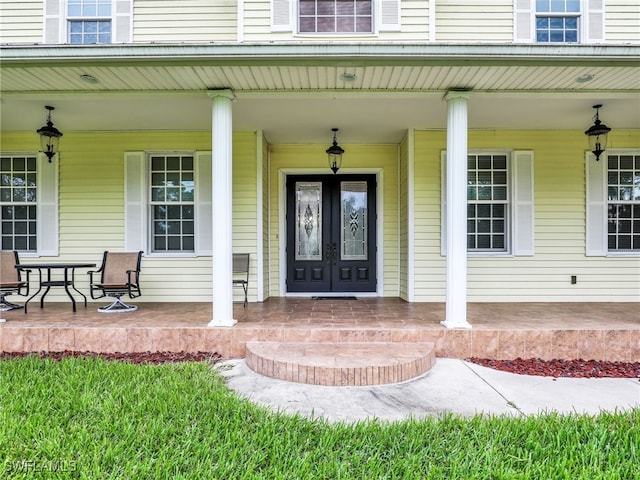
{"x":204,"y":204}
{"x":135,"y":204}
{"x":389,"y":15}
{"x":596,"y":171}
{"x":443,"y":204}
{"x":522,"y":203}
{"x":47,"y":209}
{"x":281,"y":15}
{"x":523,"y":21}
{"x":53,"y":17}
{"x":122,"y":21}
{"x":594,"y":21}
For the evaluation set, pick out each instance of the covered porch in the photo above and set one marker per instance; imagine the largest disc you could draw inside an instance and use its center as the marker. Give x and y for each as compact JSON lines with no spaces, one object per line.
{"x":600,"y":331}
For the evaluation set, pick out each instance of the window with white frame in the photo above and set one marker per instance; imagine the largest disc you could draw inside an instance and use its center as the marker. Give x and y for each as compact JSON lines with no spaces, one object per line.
{"x":89,"y":21}
{"x":557,"y":21}
{"x":172,"y":194}
{"x":28,"y":204}
{"x":613,"y":203}
{"x":487,"y":203}
{"x":623,"y":203}
{"x":500,"y":203}
{"x":18,"y":199}
{"x":168,"y":203}
{"x":335,"y":16}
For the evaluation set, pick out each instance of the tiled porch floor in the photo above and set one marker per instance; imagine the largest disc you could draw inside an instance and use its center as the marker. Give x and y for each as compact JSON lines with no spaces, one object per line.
{"x":602,"y":331}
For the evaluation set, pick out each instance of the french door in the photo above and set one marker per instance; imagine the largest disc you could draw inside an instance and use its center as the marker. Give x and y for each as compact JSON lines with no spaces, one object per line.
{"x":331,"y":233}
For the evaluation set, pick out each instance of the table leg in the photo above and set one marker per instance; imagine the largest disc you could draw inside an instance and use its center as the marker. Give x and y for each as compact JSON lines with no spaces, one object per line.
{"x":73,"y":285}
{"x":34,"y":295}
{"x":66,"y":288}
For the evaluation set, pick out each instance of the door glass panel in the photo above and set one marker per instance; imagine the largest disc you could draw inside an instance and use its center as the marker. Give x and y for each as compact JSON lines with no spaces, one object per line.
{"x":353,"y":231}
{"x":308,"y":221}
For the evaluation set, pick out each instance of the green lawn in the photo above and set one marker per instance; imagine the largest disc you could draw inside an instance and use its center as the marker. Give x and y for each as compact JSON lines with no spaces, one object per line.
{"x":94,"y":419}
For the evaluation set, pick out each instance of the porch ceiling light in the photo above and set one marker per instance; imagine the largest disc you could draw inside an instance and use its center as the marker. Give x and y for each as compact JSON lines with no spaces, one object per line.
{"x":49,"y":136}
{"x":598,"y":134}
{"x":334,"y":153}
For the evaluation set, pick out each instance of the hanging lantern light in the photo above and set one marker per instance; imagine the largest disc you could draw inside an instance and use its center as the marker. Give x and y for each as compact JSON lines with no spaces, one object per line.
{"x":598,"y":134}
{"x":49,"y":136}
{"x":334,"y":153}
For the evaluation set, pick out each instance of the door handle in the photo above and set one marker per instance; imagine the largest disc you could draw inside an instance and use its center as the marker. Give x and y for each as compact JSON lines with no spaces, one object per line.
{"x":331,"y":252}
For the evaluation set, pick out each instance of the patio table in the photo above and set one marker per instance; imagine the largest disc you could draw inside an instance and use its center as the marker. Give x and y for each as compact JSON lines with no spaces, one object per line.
{"x":45,"y":280}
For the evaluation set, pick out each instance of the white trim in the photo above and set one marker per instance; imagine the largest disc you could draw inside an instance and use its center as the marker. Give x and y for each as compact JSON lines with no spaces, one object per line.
{"x":240,"y":21}
{"x":203,"y":203}
{"x":522,"y":208}
{"x":432,"y":21}
{"x":48,"y":195}
{"x":596,"y":205}
{"x":135,"y":201}
{"x":282,"y":227}
{"x":411,"y":221}
{"x":281,"y":15}
{"x":259,"y":220}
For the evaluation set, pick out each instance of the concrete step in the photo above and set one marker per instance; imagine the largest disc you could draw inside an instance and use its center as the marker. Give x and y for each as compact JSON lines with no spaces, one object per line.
{"x":341,"y":363}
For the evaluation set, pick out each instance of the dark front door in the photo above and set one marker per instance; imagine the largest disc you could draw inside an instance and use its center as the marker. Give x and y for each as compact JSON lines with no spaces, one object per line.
{"x":331,"y":233}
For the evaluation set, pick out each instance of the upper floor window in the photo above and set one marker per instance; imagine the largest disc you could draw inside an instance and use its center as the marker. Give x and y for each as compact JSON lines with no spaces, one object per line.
{"x":89,"y":21}
{"x":557,"y":21}
{"x":335,"y":16}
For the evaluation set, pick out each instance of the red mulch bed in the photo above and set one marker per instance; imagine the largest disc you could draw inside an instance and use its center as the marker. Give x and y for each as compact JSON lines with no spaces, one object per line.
{"x":523,"y":366}
{"x":563,"y":368}
{"x":155,"y":358}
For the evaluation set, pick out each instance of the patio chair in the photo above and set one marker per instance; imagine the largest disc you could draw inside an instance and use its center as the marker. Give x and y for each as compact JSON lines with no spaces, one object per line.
{"x":119,"y":275}
{"x":11,"y":282}
{"x":241,"y":273}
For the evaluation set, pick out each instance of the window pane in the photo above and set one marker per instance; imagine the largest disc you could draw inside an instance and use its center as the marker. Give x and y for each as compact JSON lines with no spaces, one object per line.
{"x":173,"y":202}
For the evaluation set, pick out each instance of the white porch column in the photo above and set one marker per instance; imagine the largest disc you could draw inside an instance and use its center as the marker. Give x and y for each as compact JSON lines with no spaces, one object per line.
{"x":222,"y":255}
{"x":456,"y":293}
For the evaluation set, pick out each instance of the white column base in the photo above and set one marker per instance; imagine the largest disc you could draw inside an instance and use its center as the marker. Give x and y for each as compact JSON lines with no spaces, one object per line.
{"x":452,"y":324}
{"x":223,"y":323}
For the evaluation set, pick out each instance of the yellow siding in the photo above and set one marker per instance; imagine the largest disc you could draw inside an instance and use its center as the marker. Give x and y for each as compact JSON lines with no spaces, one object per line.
{"x":91,"y":206}
{"x":622,"y":21}
{"x":363,"y":157}
{"x":21,"y":22}
{"x":559,"y":192}
{"x":186,"y":21}
{"x":473,"y":21}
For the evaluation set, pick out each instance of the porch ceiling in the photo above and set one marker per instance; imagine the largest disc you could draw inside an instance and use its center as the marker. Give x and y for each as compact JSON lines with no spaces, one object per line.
{"x":297,"y":99}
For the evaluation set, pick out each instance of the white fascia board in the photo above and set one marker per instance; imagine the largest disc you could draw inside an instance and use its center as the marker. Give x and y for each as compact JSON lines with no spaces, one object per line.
{"x":313,"y":53}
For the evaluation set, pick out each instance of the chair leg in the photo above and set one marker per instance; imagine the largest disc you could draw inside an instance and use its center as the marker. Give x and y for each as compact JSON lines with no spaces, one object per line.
{"x":118,"y":306}
{"x":6,"y":305}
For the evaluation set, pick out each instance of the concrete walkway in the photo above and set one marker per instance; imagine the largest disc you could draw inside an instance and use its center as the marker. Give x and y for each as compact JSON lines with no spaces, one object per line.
{"x":451,"y":386}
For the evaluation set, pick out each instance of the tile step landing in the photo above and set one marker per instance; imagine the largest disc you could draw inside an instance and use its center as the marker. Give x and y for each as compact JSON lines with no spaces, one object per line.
{"x":341,"y":363}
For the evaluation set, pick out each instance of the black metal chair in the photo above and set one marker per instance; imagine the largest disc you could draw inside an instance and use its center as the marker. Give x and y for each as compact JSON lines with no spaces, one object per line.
{"x":11,"y":282}
{"x":241,"y":273}
{"x":119,"y":275}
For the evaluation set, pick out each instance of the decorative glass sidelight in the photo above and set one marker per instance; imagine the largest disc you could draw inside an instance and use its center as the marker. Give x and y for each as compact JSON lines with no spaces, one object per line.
{"x":308,"y":221}
{"x":353,"y":231}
